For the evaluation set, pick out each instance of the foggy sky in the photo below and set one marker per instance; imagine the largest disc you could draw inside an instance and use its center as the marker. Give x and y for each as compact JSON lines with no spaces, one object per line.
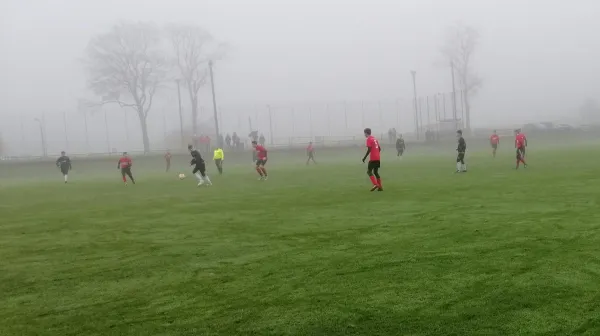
{"x":538,"y":59}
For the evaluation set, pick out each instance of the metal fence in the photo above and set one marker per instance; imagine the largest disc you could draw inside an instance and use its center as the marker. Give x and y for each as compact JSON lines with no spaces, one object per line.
{"x":112,"y":128}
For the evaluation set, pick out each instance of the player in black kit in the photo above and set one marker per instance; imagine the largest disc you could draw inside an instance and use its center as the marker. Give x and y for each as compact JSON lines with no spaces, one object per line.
{"x":64,"y":164}
{"x":199,"y":167}
{"x":461,"y":167}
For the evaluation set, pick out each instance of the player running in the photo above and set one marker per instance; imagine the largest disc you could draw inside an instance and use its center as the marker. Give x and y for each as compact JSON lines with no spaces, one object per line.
{"x":400,"y":146}
{"x":461,"y":166}
{"x":261,"y":160}
{"x":64,"y":163}
{"x":373,"y":152}
{"x":494,"y":141}
{"x":520,"y":144}
{"x":310,"y":152}
{"x":168,"y":160}
{"x":124,"y":165}
{"x":218,"y":157}
{"x":199,"y":167}
{"x":519,"y":134}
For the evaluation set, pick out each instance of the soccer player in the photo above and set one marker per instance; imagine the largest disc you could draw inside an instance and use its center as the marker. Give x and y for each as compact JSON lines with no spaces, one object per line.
{"x":494,"y":141}
{"x":374,"y":154}
{"x":461,"y":166}
{"x":400,"y":146}
{"x":125,"y":166}
{"x":310,"y":152}
{"x":199,"y":167}
{"x":261,"y":160}
{"x":64,"y":163}
{"x":521,"y":135}
{"x":168,"y":160}
{"x":520,"y":144}
{"x":218,"y":157}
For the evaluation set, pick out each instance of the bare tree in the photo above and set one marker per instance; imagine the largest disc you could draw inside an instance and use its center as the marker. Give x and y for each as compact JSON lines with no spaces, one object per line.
{"x":128,"y":59}
{"x":193,"y":48}
{"x":461,"y":42}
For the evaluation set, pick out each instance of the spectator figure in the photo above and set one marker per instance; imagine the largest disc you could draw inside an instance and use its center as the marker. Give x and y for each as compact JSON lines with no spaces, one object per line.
{"x":220,"y":141}
{"x":228,"y":140}
{"x":253,"y":136}
{"x":261,"y":140}
{"x":236,"y":140}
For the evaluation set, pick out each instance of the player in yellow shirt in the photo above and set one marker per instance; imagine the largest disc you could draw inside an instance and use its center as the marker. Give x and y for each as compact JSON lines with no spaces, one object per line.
{"x":218,"y":157}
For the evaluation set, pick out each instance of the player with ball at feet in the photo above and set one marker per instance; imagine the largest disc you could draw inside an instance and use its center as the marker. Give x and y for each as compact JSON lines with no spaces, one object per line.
{"x":374,"y":154}
{"x":199,"y":167}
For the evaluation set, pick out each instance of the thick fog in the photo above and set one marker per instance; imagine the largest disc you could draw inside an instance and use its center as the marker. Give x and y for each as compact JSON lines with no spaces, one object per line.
{"x":538,"y":61}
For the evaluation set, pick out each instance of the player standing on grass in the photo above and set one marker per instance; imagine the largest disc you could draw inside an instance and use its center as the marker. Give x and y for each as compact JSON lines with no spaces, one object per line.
{"x":64,"y":163}
{"x":520,"y":144}
{"x":520,"y":135}
{"x":125,"y":166}
{"x":218,"y":157}
{"x":400,"y":146}
{"x":461,"y":166}
{"x":310,"y":152}
{"x":494,"y":141}
{"x":261,"y":160}
{"x":374,"y":154}
{"x":199,"y":167}
{"x":168,"y":160}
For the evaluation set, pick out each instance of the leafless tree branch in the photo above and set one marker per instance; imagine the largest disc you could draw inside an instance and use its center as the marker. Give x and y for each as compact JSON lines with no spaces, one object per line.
{"x":127,"y":59}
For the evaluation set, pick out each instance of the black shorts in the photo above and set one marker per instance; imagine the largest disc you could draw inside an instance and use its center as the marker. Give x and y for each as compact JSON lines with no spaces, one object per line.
{"x":520,"y":153}
{"x":200,"y":168}
{"x":460,"y":157}
{"x":311,"y":155}
{"x":374,"y":165}
{"x":400,"y":150}
{"x":261,"y":162}
{"x":64,"y":170}
{"x":126,"y":171}
{"x":495,"y":146}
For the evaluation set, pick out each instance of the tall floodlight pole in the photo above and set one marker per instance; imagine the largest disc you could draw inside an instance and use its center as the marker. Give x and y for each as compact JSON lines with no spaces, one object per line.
{"x":42,"y":137}
{"x":214,"y":100}
{"x":270,"y":124}
{"x":414,"y":77}
{"x":180,"y":114}
{"x":453,"y":95}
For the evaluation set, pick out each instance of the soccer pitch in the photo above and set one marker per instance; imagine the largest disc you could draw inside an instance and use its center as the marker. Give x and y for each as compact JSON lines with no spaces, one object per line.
{"x":309,"y":252}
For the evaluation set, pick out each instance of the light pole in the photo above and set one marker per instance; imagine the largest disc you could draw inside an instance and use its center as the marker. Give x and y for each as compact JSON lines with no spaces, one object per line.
{"x":214,"y":100}
{"x":414,"y":78}
{"x":42,"y":137}
{"x":180,"y":113}
{"x":453,"y":94}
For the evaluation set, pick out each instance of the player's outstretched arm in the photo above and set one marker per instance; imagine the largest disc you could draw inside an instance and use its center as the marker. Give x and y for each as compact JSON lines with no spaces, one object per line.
{"x":366,"y":154}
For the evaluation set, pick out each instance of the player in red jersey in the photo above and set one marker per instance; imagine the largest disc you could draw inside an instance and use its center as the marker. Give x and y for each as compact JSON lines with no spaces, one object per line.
{"x":261,"y":160}
{"x":522,"y":136}
{"x":125,"y":166}
{"x":310,"y":152}
{"x":520,"y":144}
{"x":374,"y":154}
{"x":494,"y":141}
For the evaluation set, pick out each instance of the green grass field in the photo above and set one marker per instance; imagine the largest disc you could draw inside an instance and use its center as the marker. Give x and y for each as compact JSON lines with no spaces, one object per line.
{"x":309,"y":252}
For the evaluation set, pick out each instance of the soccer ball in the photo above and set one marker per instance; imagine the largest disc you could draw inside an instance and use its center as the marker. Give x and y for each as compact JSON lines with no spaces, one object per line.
{"x":181,"y":176}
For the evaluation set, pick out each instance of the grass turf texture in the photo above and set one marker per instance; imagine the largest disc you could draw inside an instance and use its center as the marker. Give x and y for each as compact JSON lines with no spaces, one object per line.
{"x":309,"y":252}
